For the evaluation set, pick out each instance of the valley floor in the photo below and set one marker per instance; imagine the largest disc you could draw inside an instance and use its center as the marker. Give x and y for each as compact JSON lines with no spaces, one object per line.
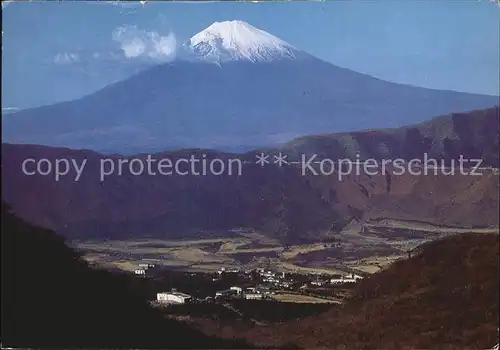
{"x":359,"y":248}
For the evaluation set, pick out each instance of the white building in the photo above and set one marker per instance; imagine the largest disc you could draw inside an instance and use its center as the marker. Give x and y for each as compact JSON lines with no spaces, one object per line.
{"x":270,"y":280}
{"x":173,"y":297}
{"x":351,"y":278}
{"x":342,"y":280}
{"x":143,"y":269}
{"x":254,"y":296}
{"x":225,"y":293}
{"x":264,"y":291}
{"x":268,"y":274}
{"x":354,"y":276}
{"x":237,"y":289}
{"x":146,"y":266}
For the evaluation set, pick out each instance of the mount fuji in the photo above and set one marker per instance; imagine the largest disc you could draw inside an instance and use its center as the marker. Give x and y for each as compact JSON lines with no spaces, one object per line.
{"x":234,"y":87}
{"x":237,"y":40}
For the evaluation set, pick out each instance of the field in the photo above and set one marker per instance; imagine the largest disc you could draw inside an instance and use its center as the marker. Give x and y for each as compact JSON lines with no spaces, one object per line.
{"x":358,"y":248}
{"x":299,"y":298}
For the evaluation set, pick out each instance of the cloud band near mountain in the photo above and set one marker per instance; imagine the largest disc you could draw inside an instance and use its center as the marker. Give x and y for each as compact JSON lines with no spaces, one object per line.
{"x":136,"y":42}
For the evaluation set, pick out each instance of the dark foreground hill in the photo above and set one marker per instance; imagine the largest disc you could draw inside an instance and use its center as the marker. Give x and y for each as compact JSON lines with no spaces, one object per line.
{"x":444,"y":297}
{"x":51,"y":298}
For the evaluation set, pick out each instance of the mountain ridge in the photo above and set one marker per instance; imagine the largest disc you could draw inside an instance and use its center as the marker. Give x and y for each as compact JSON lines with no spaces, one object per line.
{"x":192,"y":111}
{"x":278,"y":201}
{"x":254,"y":100}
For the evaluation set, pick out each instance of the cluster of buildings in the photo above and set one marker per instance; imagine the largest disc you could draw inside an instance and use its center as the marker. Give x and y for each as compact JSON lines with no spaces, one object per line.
{"x":226,"y":293}
{"x":257,"y":293}
{"x":223,"y":270}
{"x":264,"y":286}
{"x":337,"y":279}
{"x":350,"y":278}
{"x":144,"y":269}
{"x":252,"y":293}
{"x":280,"y":279}
{"x":275,"y":279}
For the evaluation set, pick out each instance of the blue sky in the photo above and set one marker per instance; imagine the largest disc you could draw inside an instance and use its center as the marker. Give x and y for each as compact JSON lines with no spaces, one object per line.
{"x":438,"y":44}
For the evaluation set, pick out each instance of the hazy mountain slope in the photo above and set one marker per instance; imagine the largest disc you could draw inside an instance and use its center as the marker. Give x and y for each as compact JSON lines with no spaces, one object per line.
{"x":445,"y":297}
{"x":250,"y":97}
{"x":52,"y":299}
{"x":458,"y":200}
{"x":463,"y":201}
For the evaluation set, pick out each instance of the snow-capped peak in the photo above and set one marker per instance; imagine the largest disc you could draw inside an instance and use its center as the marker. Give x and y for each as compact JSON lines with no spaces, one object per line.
{"x":238,"y":40}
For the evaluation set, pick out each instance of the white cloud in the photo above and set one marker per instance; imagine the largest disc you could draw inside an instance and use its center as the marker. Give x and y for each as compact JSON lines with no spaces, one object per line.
{"x":136,"y":42}
{"x":66,"y":58}
{"x":163,"y":45}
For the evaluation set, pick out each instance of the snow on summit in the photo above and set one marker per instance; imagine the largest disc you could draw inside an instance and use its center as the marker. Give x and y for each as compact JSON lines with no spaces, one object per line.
{"x":238,"y":40}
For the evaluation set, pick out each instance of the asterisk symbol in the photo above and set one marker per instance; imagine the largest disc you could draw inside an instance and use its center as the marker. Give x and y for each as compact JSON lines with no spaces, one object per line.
{"x":280,"y":159}
{"x":262,"y":159}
